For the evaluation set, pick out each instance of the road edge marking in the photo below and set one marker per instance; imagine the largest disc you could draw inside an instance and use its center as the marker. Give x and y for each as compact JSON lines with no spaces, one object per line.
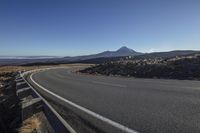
{"x":100,"y":117}
{"x":71,"y":130}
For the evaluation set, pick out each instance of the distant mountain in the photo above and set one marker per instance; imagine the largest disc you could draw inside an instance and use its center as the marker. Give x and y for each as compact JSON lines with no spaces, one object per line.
{"x":123,"y":51}
{"x":94,"y":58}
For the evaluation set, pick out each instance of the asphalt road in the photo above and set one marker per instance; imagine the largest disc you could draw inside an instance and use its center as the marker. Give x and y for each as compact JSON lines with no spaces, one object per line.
{"x":144,"y":105}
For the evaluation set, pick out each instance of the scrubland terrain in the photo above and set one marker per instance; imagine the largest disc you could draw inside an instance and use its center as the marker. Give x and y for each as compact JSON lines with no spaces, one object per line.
{"x":179,"y":67}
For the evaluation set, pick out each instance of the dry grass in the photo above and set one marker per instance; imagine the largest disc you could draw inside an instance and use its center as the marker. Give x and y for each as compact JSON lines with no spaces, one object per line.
{"x":29,"y":125}
{"x":12,"y":69}
{"x":8,"y":69}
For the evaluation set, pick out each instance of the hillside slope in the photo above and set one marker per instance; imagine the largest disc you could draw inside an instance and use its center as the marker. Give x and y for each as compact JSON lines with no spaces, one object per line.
{"x":183,"y":67}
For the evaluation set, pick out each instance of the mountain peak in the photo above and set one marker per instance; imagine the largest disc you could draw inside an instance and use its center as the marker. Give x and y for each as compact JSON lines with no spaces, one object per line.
{"x":124,"y":48}
{"x":123,"y":51}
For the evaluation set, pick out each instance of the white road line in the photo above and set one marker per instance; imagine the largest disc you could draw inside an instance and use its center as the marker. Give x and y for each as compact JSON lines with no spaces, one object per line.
{"x":109,"y":84}
{"x":71,"y":130}
{"x":102,"y":118}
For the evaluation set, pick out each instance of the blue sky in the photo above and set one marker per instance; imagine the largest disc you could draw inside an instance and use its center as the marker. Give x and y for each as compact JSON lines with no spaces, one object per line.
{"x":79,"y":27}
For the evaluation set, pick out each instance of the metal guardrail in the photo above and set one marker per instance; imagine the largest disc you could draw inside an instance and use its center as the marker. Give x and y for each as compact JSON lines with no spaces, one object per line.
{"x":57,"y":122}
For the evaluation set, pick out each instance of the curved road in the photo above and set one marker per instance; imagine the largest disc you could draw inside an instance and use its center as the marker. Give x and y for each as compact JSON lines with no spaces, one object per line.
{"x":144,"y":105}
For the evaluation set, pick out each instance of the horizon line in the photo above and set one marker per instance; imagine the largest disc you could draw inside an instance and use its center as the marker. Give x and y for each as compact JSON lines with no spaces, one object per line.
{"x":62,"y":56}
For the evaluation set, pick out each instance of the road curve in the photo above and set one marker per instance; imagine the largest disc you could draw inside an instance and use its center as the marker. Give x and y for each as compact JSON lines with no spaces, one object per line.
{"x":144,"y":105}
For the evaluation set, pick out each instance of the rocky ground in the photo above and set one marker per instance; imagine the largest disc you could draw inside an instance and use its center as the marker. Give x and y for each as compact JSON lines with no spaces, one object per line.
{"x":183,"y":67}
{"x":9,"y":103}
